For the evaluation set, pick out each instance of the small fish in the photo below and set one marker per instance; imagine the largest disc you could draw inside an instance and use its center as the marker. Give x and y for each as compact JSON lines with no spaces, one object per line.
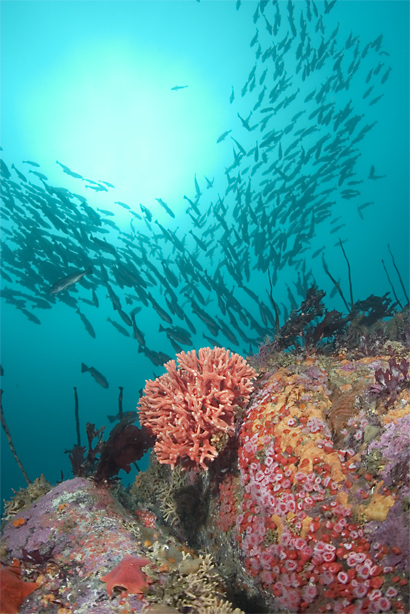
{"x":165,"y":206}
{"x":317,"y":252}
{"x":197,"y":188}
{"x":223,"y":136}
{"x":162,"y":314}
{"x":1,"y":370}
{"x":241,"y":149}
{"x":99,"y":377}
{"x":20,"y":175}
{"x":170,"y":275}
{"x":105,"y":212}
{"x":124,"y":317}
{"x":138,"y":334}
{"x":31,"y":316}
{"x":104,"y":245}
{"x":87,"y":324}
{"x":368,"y":92}
{"x":4,"y":170}
{"x":190,"y":325}
{"x":213,"y":342}
{"x":372,"y":174}
{"x":178,"y":87}
{"x":39,"y":175}
{"x":386,"y":75}
{"x":120,"y":328}
{"x":201,"y":243}
{"x":129,"y":417}
{"x":65,"y":282}
{"x":372,"y":102}
{"x":337,"y":228}
{"x":175,"y":345}
{"x":69,"y":171}
{"x":96,"y":188}
{"x":95,"y":299}
{"x":30,"y":162}
{"x":157,"y":358}
{"x":123,"y":205}
{"x":146,"y":212}
{"x":193,"y":205}
{"x":116,"y":303}
{"x":360,"y":207}
{"x":255,"y":38}
{"x":176,"y":332}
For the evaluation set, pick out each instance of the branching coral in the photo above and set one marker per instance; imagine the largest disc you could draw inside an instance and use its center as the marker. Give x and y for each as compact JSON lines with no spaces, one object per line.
{"x":192,"y":409}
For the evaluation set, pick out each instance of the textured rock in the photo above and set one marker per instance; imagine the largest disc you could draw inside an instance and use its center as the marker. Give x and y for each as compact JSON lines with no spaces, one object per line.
{"x":318,"y":515}
{"x":75,"y":533}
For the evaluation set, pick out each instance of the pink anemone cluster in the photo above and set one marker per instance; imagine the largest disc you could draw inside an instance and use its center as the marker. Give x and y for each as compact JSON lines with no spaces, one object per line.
{"x":191,"y":409}
{"x":304,"y":510}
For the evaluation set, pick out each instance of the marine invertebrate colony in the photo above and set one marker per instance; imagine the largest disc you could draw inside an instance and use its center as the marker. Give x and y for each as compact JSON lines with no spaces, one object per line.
{"x":192,"y":409}
{"x":313,"y":521}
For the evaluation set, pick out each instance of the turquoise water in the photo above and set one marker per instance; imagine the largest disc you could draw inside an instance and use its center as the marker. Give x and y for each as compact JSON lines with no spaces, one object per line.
{"x":89,"y":84}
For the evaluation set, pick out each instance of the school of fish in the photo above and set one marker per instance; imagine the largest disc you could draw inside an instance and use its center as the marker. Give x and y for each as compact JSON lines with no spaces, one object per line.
{"x":294,"y":164}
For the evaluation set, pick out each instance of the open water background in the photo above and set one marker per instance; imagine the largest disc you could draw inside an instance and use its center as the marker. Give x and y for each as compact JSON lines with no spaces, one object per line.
{"x":89,"y":84}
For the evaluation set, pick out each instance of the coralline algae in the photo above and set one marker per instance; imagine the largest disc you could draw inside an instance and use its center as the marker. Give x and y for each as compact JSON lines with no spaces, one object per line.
{"x":75,"y":534}
{"x":78,"y":541}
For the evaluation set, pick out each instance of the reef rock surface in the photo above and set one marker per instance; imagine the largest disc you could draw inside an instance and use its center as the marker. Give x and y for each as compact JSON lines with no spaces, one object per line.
{"x":306,"y":509}
{"x":318,"y":512}
{"x":89,"y":554}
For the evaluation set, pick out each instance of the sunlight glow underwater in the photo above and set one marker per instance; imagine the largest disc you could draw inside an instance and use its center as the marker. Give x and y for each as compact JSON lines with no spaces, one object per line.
{"x":113,"y":114}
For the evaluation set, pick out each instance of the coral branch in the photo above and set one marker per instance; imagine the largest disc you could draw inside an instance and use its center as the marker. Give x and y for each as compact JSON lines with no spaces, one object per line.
{"x":191,"y":409}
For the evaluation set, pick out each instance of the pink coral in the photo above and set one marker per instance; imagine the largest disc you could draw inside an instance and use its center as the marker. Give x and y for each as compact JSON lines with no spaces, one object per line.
{"x":191,"y":409}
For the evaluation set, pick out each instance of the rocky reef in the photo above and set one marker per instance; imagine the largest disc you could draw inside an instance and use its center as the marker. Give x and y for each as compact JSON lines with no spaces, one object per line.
{"x":82,"y":551}
{"x":304,"y":509}
{"x":307,"y":508}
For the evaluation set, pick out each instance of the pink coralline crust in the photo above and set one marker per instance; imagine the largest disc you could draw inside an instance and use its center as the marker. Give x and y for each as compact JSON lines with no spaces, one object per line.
{"x":190,"y":404}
